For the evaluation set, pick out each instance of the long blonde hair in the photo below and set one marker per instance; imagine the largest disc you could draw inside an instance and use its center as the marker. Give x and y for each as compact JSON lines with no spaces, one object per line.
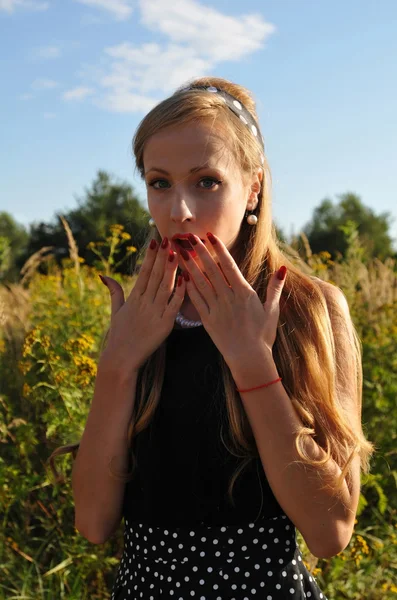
{"x":305,"y":354}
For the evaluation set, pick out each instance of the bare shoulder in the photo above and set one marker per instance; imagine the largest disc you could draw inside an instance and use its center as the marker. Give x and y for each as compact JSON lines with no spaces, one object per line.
{"x":333,"y":296}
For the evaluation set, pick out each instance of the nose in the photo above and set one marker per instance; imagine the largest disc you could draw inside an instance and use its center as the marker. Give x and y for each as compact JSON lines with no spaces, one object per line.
{"x":182,"y":211}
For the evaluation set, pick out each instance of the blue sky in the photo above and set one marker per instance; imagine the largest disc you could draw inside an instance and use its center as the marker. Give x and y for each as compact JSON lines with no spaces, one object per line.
{"x":78,"y":75}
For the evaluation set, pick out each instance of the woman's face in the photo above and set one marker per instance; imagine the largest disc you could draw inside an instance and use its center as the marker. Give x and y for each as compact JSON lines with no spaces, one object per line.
{"x":194,"y":184}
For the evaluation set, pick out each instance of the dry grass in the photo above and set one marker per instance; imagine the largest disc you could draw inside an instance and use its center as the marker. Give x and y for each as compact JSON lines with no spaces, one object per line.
{"x":31,"y":265}
{"x":73,"y":252}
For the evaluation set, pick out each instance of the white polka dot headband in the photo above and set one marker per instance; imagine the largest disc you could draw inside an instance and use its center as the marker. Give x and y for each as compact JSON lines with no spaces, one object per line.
{"x":237,"y":107}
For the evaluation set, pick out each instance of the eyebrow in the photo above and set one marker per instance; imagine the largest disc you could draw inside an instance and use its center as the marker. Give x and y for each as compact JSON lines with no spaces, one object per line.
{"x":193,"y":170}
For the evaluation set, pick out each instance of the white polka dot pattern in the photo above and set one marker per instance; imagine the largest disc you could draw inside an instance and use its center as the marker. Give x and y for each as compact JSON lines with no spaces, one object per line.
{"x":209,"y":562}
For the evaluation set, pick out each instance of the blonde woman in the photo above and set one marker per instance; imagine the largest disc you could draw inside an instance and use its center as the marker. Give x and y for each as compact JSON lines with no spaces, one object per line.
{"x":227,"y":404}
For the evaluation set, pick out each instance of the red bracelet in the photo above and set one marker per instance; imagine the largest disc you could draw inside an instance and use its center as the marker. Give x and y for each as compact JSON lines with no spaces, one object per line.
{"x":261,"y":386}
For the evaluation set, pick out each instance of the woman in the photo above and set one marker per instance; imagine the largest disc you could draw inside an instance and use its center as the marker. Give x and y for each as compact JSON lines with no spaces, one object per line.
{"x":227,"y":404}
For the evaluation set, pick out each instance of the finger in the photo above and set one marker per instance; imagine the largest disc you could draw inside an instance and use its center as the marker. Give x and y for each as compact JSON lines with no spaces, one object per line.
{"x":274,"y":289}
{"x":116,"y":293}
{"x":228,"y":265}
{"x":157,"y":273}
{"x":146,"y":268}
{"x":197,"y":299}
{"x":167,"y":284}
{"x":213,"y":270}
{"x":176,"y":301}
{"x":201,"y":281}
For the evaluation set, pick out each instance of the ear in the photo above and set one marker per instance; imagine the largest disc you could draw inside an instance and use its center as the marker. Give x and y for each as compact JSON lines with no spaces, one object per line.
{"x":255,"y":188}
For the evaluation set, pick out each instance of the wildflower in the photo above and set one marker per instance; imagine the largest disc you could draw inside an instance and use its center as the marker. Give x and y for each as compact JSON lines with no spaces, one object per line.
{"x":26,"y":390}
{"x":117,"y":228}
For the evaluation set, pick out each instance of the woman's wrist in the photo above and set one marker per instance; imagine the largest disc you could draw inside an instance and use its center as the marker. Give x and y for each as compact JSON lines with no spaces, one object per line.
{"x":259,"y":369}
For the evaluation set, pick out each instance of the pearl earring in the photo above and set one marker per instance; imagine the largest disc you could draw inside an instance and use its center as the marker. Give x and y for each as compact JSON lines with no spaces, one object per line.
{"x":251,"y":219}
{"x":152,"y":223}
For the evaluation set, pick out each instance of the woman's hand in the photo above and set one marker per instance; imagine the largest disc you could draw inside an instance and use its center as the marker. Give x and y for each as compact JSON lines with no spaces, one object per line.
{"x":229,"y":307}
{"x":141,"y":323}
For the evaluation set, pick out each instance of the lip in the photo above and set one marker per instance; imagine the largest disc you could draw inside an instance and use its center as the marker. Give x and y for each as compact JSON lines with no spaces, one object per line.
{"x":183,"y":236}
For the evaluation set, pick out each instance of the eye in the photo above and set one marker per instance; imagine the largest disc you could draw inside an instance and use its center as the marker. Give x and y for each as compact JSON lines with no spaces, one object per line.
{"x":158,"y":181}
{"x":211,"y":180}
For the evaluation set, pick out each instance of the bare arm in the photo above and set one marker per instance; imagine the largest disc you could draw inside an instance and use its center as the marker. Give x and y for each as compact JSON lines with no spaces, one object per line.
{"x":98,"y":497}
{"x":148,"y":315}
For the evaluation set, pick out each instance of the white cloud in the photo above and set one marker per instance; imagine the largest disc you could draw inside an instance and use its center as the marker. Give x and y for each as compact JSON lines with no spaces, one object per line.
{"x":44,"y":84}
{"x":26,"y":96}
{"x":49,"y":115}
{"x":119,"y":9}
{"x":206,"y":30}
{"x":123,"y":101}
{"x":11,"y":5}
{"x":152,"y":68}
{"x":191,"y":40}
{"x":78,"y":93}
{"x":47,"y":52}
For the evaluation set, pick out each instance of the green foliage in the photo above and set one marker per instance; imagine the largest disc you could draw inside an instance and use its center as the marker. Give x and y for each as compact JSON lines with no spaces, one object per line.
{"x":106,"y":202}
{"x":47,"y":368}
{"x":325,"y":229}
{"x":13,"y":242}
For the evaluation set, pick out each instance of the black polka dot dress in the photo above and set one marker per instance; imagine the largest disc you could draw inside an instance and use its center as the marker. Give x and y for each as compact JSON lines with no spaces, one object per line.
{"x":183,"y":539}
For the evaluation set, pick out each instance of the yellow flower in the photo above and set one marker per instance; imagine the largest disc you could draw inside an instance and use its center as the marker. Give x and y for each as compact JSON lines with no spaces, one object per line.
{"x":116,"y":229}
{"x":25,"y":366}
{"x":125,"y":236}
{"x":45,"y":342}
{"x":26,"y":389}
{"x":60,"y":377}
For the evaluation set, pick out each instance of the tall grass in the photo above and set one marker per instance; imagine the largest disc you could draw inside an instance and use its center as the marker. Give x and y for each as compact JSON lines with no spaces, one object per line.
{"x":51,"y":331}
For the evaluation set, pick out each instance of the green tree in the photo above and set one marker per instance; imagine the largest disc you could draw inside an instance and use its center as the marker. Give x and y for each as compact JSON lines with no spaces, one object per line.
{"x":325,"y":230}
{"x":13,"y":243}
{"x":106,"y":202}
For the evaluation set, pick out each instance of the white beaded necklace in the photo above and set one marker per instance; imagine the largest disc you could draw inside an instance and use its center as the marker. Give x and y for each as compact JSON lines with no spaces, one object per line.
{"x":183,"y":322}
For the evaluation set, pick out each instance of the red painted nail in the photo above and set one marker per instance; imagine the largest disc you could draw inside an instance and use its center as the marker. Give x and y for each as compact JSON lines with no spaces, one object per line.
{"x":192,"y":239}
{"x":211,"y":238}
{"x":153,"y":244}
{"x":185,"y":254}
{"x":171,"y":256}
{"x":180,"y":279}
{"x":103,"y":280}
{"x":186,"y":275}
{"x":164,"y":243}
{"x":281,"y":272}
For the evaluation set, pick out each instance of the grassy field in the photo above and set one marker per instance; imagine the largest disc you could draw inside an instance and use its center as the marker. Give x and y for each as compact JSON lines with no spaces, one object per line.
{"x":51,"y":330}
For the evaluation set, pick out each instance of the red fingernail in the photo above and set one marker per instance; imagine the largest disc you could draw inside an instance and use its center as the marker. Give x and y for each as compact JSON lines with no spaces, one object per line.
{"x":184,"y":253}
{"x":186,"y":275}
{"x":171,"y":256}
{"x":180,"y":279}
{"x":164,"y":243}
{"x":153,"y":244}
{"x":211,"y":238}
{"x":192,"y":239}
{"x":103,"y":280}
{"x":281,"y":272}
